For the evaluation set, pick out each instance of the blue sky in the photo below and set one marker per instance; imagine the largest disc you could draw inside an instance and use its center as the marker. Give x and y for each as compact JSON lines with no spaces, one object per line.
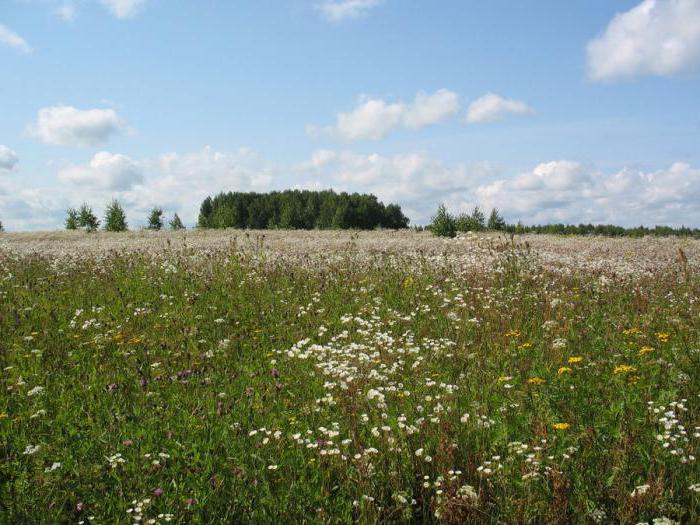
{"x":551,"y":111}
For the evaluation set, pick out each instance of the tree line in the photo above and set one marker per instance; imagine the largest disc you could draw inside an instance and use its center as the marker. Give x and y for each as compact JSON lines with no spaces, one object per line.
{"x":115,"y":219}
{"x":444,"y":224}
{"x":299,"y":209}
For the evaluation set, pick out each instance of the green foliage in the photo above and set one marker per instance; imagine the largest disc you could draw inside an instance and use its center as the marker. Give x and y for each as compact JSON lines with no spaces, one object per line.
{"x":115,"y":217}
{"x":2,"y":228}
{"x":295,"y":209}
{"x":443,"y":223}
{"x":87,"y":219}
{"x":176,"y":223}
{"x":72,"y":219}
{"x":496,"y":221}
{"x":155,"y":219}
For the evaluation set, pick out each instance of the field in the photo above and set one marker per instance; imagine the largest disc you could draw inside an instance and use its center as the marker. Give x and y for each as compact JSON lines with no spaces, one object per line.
{"x":337,"y":377}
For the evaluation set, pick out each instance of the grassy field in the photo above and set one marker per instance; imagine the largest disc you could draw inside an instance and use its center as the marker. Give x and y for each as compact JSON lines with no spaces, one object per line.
{"x":330,"y":377}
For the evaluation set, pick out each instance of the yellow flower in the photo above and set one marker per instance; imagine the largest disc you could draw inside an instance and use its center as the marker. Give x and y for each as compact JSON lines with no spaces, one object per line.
{"x":632,"y":331}
{"x":663,"y":336}
{"x":524,"y":346}
{"x":536,"y":381}
{"x":513,"y":333}
{"x":624,"y":369}
{"x":645,"y":350}
{"x":503,"y":379}
{"x":564,"y":370}
{"x":562,"y":426}
{"x":408,"y":281}
{"x":575,"y":359}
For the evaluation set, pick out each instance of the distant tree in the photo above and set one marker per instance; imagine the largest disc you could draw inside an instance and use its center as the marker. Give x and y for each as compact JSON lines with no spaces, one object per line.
{"x":72,"y":219}
{"x":442,"y":223}
{"x":176,"y":223}
{"x":394,"y":217}
{"x":206,"y":210}
{"x":496,"y":222}
{"x":115,"y":218}
{"x":155,"y":219}
{"x":87,"y":219}
{"x":2,"y":228}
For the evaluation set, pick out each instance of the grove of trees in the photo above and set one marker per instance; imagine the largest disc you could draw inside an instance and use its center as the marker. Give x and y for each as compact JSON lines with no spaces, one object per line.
{"x":299,"y":209}
{"x":446,"y":225}
{"x":115,"y":219}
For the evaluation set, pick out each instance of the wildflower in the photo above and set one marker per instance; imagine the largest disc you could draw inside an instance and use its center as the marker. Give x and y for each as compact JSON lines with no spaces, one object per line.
{"x":275,"y":373}
{"x":536,"y":381}
{"x":272,"y":467}
{"x":34,"y":391}
{"x":575,"y":359}
{"x":31,"y":449}
{"x":663,"y":336}
{"x":525,"y":346}
{"x":632,"y":331}
{"x":53,"y":467}
{"x":562,"y":426}
{"x":639,"y":491}
{"x":513,"y":333}
{"x":624,"y":369}
{"x":646,"y":350}
{"x":695,"y":487}
{"x":564,"y":370}
{"x":158,"y":492}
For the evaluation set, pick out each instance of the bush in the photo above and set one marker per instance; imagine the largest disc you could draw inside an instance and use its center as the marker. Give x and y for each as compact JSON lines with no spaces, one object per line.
{"x":443,"y":224}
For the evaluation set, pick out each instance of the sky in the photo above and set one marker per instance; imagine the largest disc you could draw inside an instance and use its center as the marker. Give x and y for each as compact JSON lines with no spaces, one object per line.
{"x":550,"y":111}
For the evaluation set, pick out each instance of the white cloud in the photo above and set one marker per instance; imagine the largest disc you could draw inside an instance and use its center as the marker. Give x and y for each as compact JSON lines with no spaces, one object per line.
{"x":415,"y":180}
{"x":12,"y":39}
{"x":657,"y":37}
{"x":8,"y":158}
{"x":491,"y":107}
{"x":105,"y":171}
{"x":66,"y":125}
{"x":566,"y":191}
{"x":337,"y":10}
{"x":66,"y":12}
{"x":123,"y":8}
{"x":374,"y":119}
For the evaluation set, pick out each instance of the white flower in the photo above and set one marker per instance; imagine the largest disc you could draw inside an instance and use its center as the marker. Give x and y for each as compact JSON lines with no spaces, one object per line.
{"x":31,"y":449}
{"x":53,"y":467}
{"x":36,"y":390}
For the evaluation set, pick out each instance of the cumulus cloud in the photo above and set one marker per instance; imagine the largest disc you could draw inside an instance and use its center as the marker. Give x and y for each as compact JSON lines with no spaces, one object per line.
{"x":123,"y":8}
{"x":12,"y":39}
{"x":656,"y":37}
{"x":566,"y":191}
{"x":106,"y":171}
{"x":8,"y":158}
{"x":491,"y":107}
{"x":66,"y":125}
{"x":337,"y":10}
{"x":415,"y":180}
{"x":374,"y":119}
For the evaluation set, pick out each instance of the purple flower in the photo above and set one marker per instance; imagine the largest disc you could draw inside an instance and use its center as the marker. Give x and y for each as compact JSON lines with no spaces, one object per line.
{"x":275,"y":373}
{"x":158,"y":492}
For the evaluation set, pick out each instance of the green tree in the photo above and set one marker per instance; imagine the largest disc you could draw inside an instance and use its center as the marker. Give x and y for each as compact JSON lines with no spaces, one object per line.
{"x":72,"y":219}
{"x":496,"y":222}
{"x":87,"y":219}
{"x":176,"y":223}
{"x":443,"y":223}
{"x":115,"y":218}
{"x":155,"y":219}
{"x":206,"y":210}
{"x":2,"y":228}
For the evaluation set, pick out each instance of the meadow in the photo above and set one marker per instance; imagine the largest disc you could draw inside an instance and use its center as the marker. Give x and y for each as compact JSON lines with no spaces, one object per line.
{"x":337,"y":377}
